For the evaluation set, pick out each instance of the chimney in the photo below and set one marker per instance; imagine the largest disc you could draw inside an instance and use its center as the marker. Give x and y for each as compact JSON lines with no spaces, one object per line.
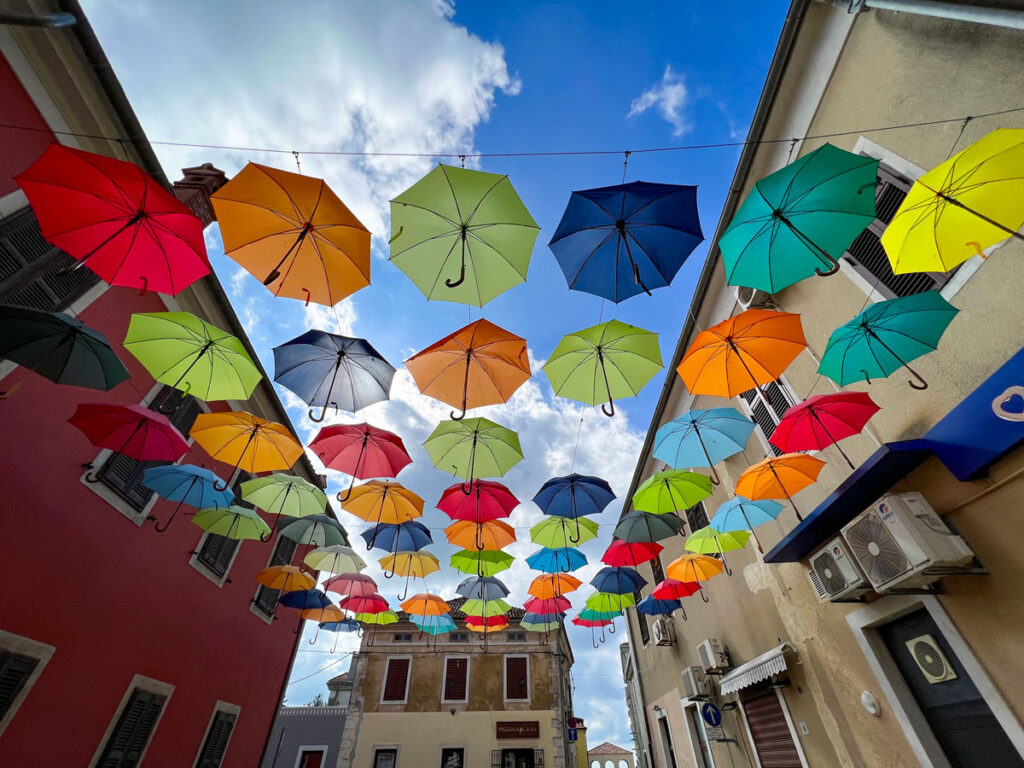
{"x":195,"y":188}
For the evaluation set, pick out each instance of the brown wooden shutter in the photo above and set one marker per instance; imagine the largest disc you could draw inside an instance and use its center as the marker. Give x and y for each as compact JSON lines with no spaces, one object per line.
{"x":216,"y":553}
{"x":515,"y":677}
{"x":284,"y":551}
{"x":216,"y":743}
{"x":15,"y":670}
{"x":641,"y":619}
{"x":125,"y":745}
{"x":455,"y":679}
{"x":395,"y":683}
{"x":769,"y":730}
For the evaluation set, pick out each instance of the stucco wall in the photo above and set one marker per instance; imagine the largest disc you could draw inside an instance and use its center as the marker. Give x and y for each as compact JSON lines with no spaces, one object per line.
{"x":304,"y":728}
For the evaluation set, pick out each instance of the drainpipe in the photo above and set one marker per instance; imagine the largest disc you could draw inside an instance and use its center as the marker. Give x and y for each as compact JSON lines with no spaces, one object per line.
{"x":974,"y":14}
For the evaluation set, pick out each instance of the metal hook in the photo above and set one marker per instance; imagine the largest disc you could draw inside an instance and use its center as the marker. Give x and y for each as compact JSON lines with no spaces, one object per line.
{"x":170,"y":520}
{"x":703,"y":596}
{"x":593,"y":638}
{"x":458,"y":417}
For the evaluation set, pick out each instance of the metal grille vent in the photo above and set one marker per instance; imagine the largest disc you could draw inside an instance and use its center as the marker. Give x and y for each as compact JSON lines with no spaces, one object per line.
{"x":930,"y":659}
{"x":828,"y":571}
{"x":876,"y":550}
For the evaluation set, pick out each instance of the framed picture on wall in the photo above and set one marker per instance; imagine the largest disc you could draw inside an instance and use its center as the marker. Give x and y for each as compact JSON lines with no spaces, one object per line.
{"x":453,"y":757}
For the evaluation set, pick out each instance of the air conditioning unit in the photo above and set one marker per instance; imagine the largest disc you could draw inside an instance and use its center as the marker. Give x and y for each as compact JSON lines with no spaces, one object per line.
{"x":931,"y":660}
{"x":712,"y":657}
{"x":835,"y":575}
{"x":661,"y":631}
{"x":900,"y":543}
{"x":695,"y":683}
{"x":749,"y":298}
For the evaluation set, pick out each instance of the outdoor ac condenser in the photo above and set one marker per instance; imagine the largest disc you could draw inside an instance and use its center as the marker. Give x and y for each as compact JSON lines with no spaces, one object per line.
{"x":661,"y":631}
{"x":835,"y":575}
{"x":749,"y":298}
{"x":695,"y":683}
{"x":712,"y":657}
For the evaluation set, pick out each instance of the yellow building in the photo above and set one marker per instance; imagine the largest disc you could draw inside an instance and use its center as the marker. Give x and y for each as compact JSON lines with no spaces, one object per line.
{"x":419,"y":702}
{"x":805,"y":667}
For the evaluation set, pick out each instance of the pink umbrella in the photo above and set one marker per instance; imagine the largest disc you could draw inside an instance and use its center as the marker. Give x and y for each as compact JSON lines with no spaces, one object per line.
{"x":360,"y":450}
{"x":824,"y":420}
{"x":351,"y":585}
{"x":557,"y":604}
{"x":372,"y":603}
{"x":130,"y":430}
{"x":487,"y":500}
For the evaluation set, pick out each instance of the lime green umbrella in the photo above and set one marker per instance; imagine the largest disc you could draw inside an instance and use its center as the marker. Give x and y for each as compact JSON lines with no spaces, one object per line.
{"x":708,"y":541}
{"x":485,"y":608}
{"x":606,"y":602}
{"x":462,"y":235}
{"x":233,"y":522}
{"x":179,"y":349}
{"x":287,"y":495}
{"x":377,"y":619}
{"x":540,"y":626}
{"x":671,"y":491}
{"x":556,"y":532}
{"x":483,"y":563}
{"x":604,"y":362}
{"x":473,"y":448}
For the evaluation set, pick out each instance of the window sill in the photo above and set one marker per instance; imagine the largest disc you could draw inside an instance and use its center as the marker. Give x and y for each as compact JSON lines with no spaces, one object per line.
{"x":266,"y":618}
{"x":202,"y":568}
{"x":109,"y":495}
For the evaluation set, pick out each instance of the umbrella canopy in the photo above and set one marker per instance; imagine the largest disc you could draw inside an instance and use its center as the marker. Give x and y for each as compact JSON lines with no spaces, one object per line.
{"x":414,"y":564}
{"x":618,"y":581}
{"x":555,"y":532}
{"x":485,"y":608}
{"x":615,"y":242}
{"x":779,"y":477}
{"x":59,"y":348}
{"x":425,"y":604}
{"x":336,"y":558}
{"x":434,"y":625}
{"x":473,"y":448}
{"x":632,"y":553}
{"x":559,"y":560}
{"x":652,"y":606}
{"x":327,"y":614}
{"x":539,"y":626}
{"x":325,"y":369}
{"x":402,"y":537}
{"x":115,"y":218}
{"x":186,"y":484}
{"x":960,"y":207}
{"x":347,"y":584}
{"x":131,"y":430}
{"x":607,"y":603}
{"x":345,"y":625}
{"x":589,"y":618}
{"x":232,"y":522}
{"x":246,"y":441}
{"x":491,"y":623}
{"x":287,"y":495}
{"x":671,"y":491}
{"x":493,"y":534}
{"x":551,"y":605}
{"x":487,"y":500}
{"x":673,"y":589}
{"x":742,"y":352}
{"x":694,"y":568}
{"x":293,"y":233}
{"x":364,"y":604}
{"x":708,"y":541}
{"x":640,"y":526}
{"x":603,"y":363}
{"x":481,"y":562}
{"x":480,"y":364}
{"x":573,"y":496}
{"x":482,"y":588}
{"x":378,"y":618}
{"x":182,"y":351}
{"x":315,"y":530}
{"x":823,"y":420}
{"x":739,"y":513}
{"x":553,"y":584}
{"x":360,"y":450}
{"x":887,"y":335}
{"x":462,"y":235}
{"x":380,"y":501}
{"x":285,"y":578}
{"x":305,"y":600}
{"x":702,"y":438}
{"x":798,"y":221}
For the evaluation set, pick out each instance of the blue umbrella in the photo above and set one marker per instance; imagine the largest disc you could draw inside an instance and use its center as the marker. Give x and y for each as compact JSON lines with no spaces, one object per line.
{"x":542,"y":618}
{"x":410,"y":536}
{"x":482,"y":588}
{"x":558,"y":560}
{"x":345,"y":625}
{"x":574,"y":495}
{"x":654,"y":607}
{"x":186,"y":484}
{"x":702,"y":438}
{"x":741,"y":514}
{"x":433,"y":625}
{"x":618,"y":581}
{"x":615,"y":242}
{"x":326,"y":369}
{"x":305,"y":599}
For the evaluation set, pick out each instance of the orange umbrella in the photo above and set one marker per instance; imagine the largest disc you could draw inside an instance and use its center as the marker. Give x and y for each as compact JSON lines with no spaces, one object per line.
{"x":425,"y":604}
{"x":382,"y":501}
{"x":285,"y":578}
{"x":779,"y":477}
{"x":321,"y":616}
{"x":492,"y":534}
{"x":551,"y":585}
{"x":480,"y":364}
{"x":247,"y":441}
{"x":694,"y":568}
{"x":742,"y":353}
{"x":293,"y":233}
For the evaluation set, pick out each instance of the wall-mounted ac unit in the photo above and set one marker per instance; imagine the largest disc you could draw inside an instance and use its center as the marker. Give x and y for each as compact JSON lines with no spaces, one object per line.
{"x":695,"y":683}
{"x":661,"y":631}
{"x":712,"y":657}
{"x":836,"y":575}
{"x":901,"y":543}
{"x":749,"y":298}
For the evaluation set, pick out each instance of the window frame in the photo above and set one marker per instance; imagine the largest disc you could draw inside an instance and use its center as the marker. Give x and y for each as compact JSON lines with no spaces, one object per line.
{"x":641,"y":620}
{"x":254,"y":606}
{"x":219,"y":579}
{"x":518,"y":636}
{"x":408,"y":680}
{"x":24,"y":646}
{"x":458,"y":637}
{"x":312,"y":749}
{"x":504,"y":677}
{"x":787,"y":392}
{"x":378,"y":748}
{"x":219,"y":707}
{"x":444,"y":679}
{"x":149,"y":685}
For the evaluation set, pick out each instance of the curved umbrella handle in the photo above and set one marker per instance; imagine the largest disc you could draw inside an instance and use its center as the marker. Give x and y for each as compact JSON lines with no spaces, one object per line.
{"x":145,"y":285}
{"x":462,"y":270}
{"x":830,"y":260}
{"x":593,"y":638}
{"x":315,"y":635}
{"x":170,"y":520}
{"x":184,"y":393}
{"x":323,"y":413}
{"x":608,"y":409}
{"x":703,"y":596}
{"x":867,"y":376}
{"x":579,"y":535}
{"x":681,"y":608}
{"x":458,"y":416}
{"x":91,"y":477}
{"x":611,"y":628}
{"x":920,"y":384}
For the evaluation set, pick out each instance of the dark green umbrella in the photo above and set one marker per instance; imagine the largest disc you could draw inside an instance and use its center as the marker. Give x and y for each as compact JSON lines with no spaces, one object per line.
{"x":647,"y":527}
{"x":58,"y":347}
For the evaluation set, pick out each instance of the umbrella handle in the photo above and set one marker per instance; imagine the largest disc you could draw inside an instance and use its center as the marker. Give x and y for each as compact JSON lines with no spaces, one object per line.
{"x":715,"y":479}
{"x":297,"y":627}
{"x":465,"y":388}
{"x":458,"y":416}
{"x":867,"y":376}
{"x":462,"y":270}
{"x":315,"y":635}
{"x":611,"y":628}
{"x":170,"y":520}
{"x":702,"y":595}
{"x":269,"y":535}
{"x":579,"y":535}
{"x":831,"y":270}
{"x":603,"y":637}
{"x":275,"y":273}
{"x":91,"y":477}
{"x":681,"y":608}
{"x":348,"y":493}
{"x":608,"y":388}
{"x":8,"y":392}
{"x":608,"y":409}
{"x":920,"y":384}
{"x":145,"y":285}
{"x":323,"y":413}
{"x":593,"y":638}
{"x":309,"y":296}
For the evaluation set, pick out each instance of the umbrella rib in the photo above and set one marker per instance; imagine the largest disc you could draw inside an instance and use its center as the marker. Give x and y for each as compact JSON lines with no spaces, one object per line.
{"x":440,"y":271}
{"x":471,"y":234}
{"x":287,"y":194}
{"x":484,"y":197}
{"x":455,"y":198}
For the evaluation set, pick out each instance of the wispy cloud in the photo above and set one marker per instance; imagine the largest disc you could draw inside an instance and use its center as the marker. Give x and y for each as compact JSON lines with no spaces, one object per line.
{"x":669,"y":97}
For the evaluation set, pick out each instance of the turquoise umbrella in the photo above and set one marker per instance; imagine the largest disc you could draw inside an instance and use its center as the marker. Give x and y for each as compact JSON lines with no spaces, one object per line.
{"x":702,"y":438}
{"x":742,"y":514}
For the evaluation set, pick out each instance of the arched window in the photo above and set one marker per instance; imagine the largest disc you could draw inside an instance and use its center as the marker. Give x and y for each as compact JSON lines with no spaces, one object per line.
{"x":623,"y":764}
{"x":595,"y":764}
{"x":609,"y":764}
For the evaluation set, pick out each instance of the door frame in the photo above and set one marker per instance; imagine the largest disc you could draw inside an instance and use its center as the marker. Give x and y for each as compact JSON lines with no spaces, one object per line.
{"x":691,"y":731}
{"x":864,"y":622}
{"x":789,"y":724}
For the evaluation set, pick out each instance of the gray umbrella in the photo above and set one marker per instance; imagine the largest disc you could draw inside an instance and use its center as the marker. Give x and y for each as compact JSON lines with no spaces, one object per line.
{"x":482,"y":588}
{"x":646,"y":526}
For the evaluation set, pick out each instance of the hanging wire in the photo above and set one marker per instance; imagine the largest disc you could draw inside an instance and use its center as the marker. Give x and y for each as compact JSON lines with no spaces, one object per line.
{"x":625,"y":164}
{"x":297,"y":163}
{"x":792,"y":146}
{"x":579,"y":431}
{"x":960,"y":135}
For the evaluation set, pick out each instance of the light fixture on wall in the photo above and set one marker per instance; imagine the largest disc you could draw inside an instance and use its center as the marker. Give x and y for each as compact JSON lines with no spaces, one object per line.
{"x":870,"y":703}
{"x":453,"y":711}
{"x":729,"y":706}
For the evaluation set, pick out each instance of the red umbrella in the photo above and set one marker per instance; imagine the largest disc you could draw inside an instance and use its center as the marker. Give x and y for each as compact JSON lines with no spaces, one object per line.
{"x":823,"y":420}
{"x":351,"y":585}
{"x":501,"y":620}
{"x":623,"y":553}
{"x":673,"y":589}
{"x":118,"y":219}
{"x":372,"y":603}
{"x":487,"y":500}
{"x":360,"y":450}
{"x":557,"y":604}
{"x":131,"y":430}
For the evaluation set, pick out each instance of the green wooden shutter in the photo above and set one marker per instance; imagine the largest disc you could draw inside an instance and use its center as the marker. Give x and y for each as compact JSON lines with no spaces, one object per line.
{"x":125,"y":746}
{"x":216,"y":743}
{"x":15,"y":670}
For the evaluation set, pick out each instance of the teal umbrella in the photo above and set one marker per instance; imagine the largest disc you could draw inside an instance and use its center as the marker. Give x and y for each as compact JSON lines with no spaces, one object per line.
{"x":798,"y":221}
{"x":885,"y":337}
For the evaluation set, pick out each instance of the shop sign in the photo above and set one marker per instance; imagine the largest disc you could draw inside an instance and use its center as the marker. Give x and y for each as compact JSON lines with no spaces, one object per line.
{"x":518,"y":729}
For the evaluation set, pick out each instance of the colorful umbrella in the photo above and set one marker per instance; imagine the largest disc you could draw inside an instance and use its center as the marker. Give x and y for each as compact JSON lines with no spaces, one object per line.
{"x":603,"y":363}
{"x":573,"y":496}
{"x":110,"y":215}
{"x":59,"y":348}
{"x":655,"y":607}
{"x":410,"y":536}
{"x":671,"y":491}
{"x":480,"y":364}
{"x":246,"y":441}
{"x":555,"y":532}
{"x":694,"y":568}
{"x":482,"y":588}
{"x":287,"y":495}
{"x":553,"y":584}
{"x":886,"y":336}
{"x":609,"y":603}
{"x":487,"y":500}
{"x":589,"y":614}
{"x":799,"y":220}
{"x":360,"y":450}
{"x":482,"y":563}
{"x":615,"y":242}
{"x":232,"y":522}
{"x":129,"y":430}
{"x":823,"y":420}
{"x":425,"y":604}
{"x":186,"y":484}
{"x":345,"y":625}
{"x":618,"y":581}
{"x":380,"y":501}
{"x":462,"y":235}
{"x":960,"y":207}
{"x":473,"y":447}
{"x":702,"y":438}
{"x":673,"y":589}
{"x":433,"y":625}
{"x":315,"y":530}
{"x":294,"y":234}
{"x":485,"y":608}
{"x":708,"y":541}
{"x":779,"y":477}
{"x":559,"y":560}
{"x":539,"y":626}
{"x":336,"y":558}
{"x":325,"y":369}
{"x":493,"y":534}
{"x":412,"y":565}
{"x":739,"y":513}
{"x":285,"y":578}
{"x":379,"y":618}
{"x":640,"y":526}
{"x":593,"y":620}
{"x":305,"y":600}
{"x":364,"y":604}
{"x":551,"y":605}
{"x":620,"y":553}
{"x":742,"y":353}
{"x":348,"y":584}
{"x":486,"y":622}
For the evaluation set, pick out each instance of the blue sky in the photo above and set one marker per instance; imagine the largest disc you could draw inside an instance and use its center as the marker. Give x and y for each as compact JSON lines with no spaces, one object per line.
{"x":430,"y":76}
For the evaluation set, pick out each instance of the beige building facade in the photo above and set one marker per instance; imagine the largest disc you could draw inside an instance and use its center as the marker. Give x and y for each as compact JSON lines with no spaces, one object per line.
{"x":928,"y":674}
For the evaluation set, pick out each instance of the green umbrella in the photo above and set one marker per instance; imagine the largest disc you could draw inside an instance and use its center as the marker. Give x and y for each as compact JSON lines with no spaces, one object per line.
{"x":604,"y":362}
{"x":539,"y":626}
{"x":462,"y":235}
{"x":179,"y":349}
{"x":671,"y":491}
{"x":647,"y":527}
{"x":234,"y":522}
{"x":485,"y":608}
{"x":557,"y":532}
{"x":286,"y":495}
{"x":798,"y":221}
{"x":473,"y":448}
{"x":886,"y":336}
{"x":484,"y":563}
{"x":708,"y":541}
{"x":315,"y":530}
{"x":606,"y":602}
{"x":377,"y":619}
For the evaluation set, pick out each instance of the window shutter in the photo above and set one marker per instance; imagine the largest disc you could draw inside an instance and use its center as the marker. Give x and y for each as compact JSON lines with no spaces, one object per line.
{"x":394,"y":684}
{"x":216,"y":553}
{"x":455,"y":679}
{"x":217,"y":740}
{"x":125,"y":745}
{"x":515,"y":677}
{"x":641,"y":619}
{"x":15,"y":670}
{"x":496,"y":758}
{"x":656,"y":570}
{"x":284,"y":551}
{"x":696,"y":517}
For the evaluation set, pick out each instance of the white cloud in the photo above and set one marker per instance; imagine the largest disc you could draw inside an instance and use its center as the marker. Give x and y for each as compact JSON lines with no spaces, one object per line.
{"x":668,"y":97}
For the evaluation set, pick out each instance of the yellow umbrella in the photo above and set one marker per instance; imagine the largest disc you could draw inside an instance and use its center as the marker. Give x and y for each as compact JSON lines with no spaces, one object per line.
{"x":285,"y":578}
{"x":381,"y":501}
{"x":960,"y":207}
{"x":247,"y":441}
{"x":412,"y":565}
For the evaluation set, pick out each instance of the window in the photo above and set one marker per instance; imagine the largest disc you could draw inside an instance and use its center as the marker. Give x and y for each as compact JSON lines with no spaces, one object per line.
{"x":517,"y":678}
{"x":867,"y":256}
{"x":515,"y":637}
{"x":32,"y":270}
{"x":641,"y":619}
{"x":656,"y":570}
{"x":311,"y":758}
{"x":385,"y":758}
{"x":21,"y":663}
{"x":456,"y":677}
{"x":217,"y":552}
{"x":216,"y":742}
{"x":453,"y":757}
{"x":696,"y":518}
{"x":396,"y":680}
{"x":458,"y":637}
{"x":266,"y":598}
{"x":766,"y":407}
{"x":403,"y":637}
{"x":15,"y":670}
{"x":128,"y":741}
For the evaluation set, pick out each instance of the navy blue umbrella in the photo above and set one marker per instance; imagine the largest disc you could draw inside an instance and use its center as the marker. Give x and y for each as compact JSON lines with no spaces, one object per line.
{"x":326,"y":369}
{"x":654,"y":607}
{"x":574,"y":495}
{"x":304,"y":600}
{"x":618,"y":581}
{"x":410,"y":536}
{"x":615,"y":242}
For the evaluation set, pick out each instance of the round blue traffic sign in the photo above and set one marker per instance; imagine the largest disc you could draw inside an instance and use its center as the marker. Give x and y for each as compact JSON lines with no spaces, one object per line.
{"x":711,"y":714}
